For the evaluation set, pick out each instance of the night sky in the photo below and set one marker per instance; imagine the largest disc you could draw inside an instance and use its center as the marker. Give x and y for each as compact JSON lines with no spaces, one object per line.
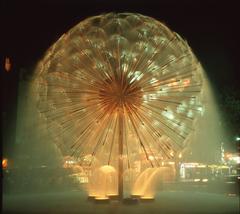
{"x":29,"y":28}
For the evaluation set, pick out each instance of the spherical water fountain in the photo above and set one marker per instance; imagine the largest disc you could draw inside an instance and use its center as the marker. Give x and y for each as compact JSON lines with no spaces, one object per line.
{"x":125,"y":90}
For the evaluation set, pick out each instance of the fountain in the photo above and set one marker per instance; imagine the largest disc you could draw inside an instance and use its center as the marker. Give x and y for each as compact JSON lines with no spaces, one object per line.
{"x":146,"y":184}
{"x":125,"y":90}
{"x":103,"y":183}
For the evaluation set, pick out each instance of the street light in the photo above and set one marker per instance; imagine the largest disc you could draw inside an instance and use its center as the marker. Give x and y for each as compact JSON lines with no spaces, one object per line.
{"x":237,"y":138}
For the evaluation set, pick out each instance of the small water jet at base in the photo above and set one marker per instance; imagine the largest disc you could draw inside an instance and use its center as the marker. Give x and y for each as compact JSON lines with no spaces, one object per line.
{"x":103,"y":183}
{"x":148,"y":181}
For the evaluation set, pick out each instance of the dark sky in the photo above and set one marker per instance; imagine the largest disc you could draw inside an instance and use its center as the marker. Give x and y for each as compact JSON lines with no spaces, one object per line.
{"x":31,"y":27}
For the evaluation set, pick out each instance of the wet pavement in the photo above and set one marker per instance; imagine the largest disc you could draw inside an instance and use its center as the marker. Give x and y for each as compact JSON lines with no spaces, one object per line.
{"x":172,"y":202}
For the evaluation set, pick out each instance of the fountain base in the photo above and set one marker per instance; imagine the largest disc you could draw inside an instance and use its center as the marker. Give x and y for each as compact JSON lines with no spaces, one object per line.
{"x":113,"y":197}
{"x":147,"y":199}
{"x":130,"y":201}
{"x":136,"y":196}
{"x":91,"y":198}
{"x":101,"y":200}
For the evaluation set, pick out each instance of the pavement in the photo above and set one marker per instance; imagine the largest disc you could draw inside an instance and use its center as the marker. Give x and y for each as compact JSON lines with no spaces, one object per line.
{"x":166,"y":202}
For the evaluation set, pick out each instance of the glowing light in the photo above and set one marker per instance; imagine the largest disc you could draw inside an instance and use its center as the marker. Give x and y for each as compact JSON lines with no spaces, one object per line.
{"x":168,"y":114}
{"x":107,"y":169}
{"x":102,"y":198}
{"x":233,"y":157}
{"x":171,"y":163}
{"x":190,"y":165}
{"x":202,"y":166}
{"x":147,"y":198}
{"x":186,"y":82}
{"x":8,"y":64}
{"x":228,"y":155}
{"x":151,"y":158}
{"x":205,"y":180}
{"x":4,"y":163}
{"x":232,"y":194}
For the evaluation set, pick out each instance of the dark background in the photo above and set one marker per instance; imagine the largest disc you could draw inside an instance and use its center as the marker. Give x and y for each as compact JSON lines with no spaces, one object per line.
{"x":29,"y":28}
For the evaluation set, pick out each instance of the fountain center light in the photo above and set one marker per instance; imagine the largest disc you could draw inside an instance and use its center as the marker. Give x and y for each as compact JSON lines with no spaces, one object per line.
{"x":120,"y":93}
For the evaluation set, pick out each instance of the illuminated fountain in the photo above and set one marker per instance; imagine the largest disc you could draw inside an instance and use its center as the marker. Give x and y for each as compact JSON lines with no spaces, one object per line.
{"x":146,"y":184}
{"x":103,"y":183}
{"x":125,"y":90}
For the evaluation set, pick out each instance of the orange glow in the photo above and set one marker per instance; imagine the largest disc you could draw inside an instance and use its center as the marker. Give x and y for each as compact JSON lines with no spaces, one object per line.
{"x":92,"y":195}
{"x":112,"y":195}
{"x":107,"y":169}
{"x":228,"y":155}
{"x":4,"y":163}
{"x":8,"y":65}
{"x":102,"y":198}
{"x":173,"y":83}
{"x":147,"y":197}
{"x":171,"y":163}
{"x":151,"y":158}
{"x":186,"y":82}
